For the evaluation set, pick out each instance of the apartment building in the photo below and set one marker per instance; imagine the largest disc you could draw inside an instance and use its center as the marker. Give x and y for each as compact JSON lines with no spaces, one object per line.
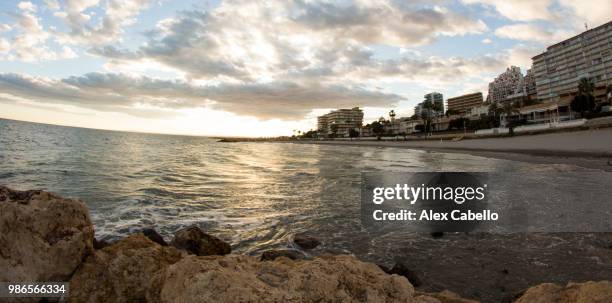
{"x":464,"y":103}
{"x":340,"y":122}
{"x":507,"y":83}
{"x":558,"y":70}
{"x":435,"y":98}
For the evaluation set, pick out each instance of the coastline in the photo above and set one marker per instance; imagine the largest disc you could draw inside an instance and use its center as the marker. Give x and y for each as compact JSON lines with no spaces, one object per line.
{"x":585,"y":148}
{"x":198,"y":267}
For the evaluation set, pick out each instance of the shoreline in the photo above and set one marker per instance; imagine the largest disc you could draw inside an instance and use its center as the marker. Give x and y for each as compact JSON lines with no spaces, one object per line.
{"x":553,"y":148}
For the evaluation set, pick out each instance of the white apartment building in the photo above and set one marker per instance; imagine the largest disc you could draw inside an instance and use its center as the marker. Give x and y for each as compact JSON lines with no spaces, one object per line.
{"x":340,"y":122}
{"x":559,"y":69}
{"x":506,"y":84}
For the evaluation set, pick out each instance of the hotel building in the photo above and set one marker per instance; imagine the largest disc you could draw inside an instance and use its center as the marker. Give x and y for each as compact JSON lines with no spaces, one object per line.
{"x":558,"y":70}
{"x":506,"y":84}
{"x":340,"y":122}
{"x":464,"y":103}
{"x":435,"y":98}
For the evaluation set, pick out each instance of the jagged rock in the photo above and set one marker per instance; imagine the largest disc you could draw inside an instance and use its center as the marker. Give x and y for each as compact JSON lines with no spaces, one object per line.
{"x":99,"y":244}
{"x":236,"y":278}
{"x":305,"y":241}
{"x":121,"y":271}
{"x":587,"y":292}
{"x":272,"y":254}
{"x":154,"y":236}
{"x":43,"y":237}
{"x":403,"y":270}
{"x":193,"y":240}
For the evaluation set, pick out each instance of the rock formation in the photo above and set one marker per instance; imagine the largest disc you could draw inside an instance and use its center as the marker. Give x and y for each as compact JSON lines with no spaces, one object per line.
{"x":193,"y":240}
{"x":121,"y":271}
{"x":43,"y":237}
{"x":588,"y":292}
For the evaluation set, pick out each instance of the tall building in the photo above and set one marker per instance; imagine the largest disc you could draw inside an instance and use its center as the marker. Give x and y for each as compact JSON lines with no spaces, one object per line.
{"x":340,"y":122}
{"x":558,"y":70}
{"x":464,"y":103}
{"x":435,"y":98}
{"x":530,"y":84}
{"x":507,"y":83}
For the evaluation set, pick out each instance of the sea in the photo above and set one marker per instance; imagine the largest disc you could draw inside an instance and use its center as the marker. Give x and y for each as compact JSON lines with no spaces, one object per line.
{"x":257,"y":195}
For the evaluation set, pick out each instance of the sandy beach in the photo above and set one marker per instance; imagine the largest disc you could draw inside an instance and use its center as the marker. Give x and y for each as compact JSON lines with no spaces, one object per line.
{"x":588,"y":148}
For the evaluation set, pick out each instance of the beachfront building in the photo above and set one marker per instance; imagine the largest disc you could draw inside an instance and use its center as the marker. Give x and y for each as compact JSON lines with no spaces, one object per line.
{"x":558,"y":70}
{"x":463,"y":104}
{"x":548,"y":112}
{"x":339,"y":122}
{"x":436,"y":99}
{"x":507,"y":83}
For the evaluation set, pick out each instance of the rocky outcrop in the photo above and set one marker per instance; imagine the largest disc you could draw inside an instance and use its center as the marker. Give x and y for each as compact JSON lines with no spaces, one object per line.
{"x":245,"y":279}
{"x":193,"y":240}
{"x":121,"y":271}
{"x":305,"y":241}
{"x":588,"y":292}
{"x":43,"y":237}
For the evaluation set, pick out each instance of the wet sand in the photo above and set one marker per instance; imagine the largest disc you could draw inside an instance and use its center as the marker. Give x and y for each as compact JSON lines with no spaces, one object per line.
{"x":586,"y":148}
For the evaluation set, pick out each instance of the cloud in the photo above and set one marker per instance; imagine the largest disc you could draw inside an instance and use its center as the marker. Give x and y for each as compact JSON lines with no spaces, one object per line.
{"x":121,"y":93}
{"x":532,"y":32}
{"x":519,"y":10}
{"x":486,"y":41}
{"x":117,"y":15}
{"x":277,"y":39}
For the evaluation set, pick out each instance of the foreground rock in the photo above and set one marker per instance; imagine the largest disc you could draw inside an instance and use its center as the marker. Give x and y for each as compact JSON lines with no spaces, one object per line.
{"x":121,"y":271}
{"x":245,"y":279}
{"x":305,"y":241}
{"x":43,"y":237}
{"x":193,"y":240}
{"x":588,"y":292}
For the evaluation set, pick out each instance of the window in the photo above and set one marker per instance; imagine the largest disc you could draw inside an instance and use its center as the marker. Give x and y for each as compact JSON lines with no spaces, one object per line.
{"x":596,"y":61}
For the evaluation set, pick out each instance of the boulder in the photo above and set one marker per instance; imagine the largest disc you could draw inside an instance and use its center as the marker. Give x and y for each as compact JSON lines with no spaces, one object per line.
{"x":235,"y":278}
{"x":403,"y":270}
{"x":121,"y":271}
{"x":154,"y":236}
{"x":193,"y":240}
{"x":99,"y":244}
{"x":272,"y":254}
{"x":305,"y":241}
{"x":587,"y":292}
{"x":43,"y":237}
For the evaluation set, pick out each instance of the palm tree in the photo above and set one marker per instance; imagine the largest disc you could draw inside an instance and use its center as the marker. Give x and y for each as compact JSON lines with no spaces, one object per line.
{"x":584,"y":100}
{"x":508,"y":110}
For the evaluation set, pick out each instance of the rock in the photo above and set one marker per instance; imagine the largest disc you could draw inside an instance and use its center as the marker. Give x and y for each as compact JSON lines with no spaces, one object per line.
{"x":272,"y":254}
{"x":444,"y":296}
{"x":437,"y":234}
{"x":193,"y":240}
{"x":305,"y":241}
{"x":43,"y":237}
{"x":587,"y":292}
{"x":99,"y":244}
{"x":235,"y":278}
{"x":154,"y":236}
{"x":121,"y":271}
{"x":403,"y":270}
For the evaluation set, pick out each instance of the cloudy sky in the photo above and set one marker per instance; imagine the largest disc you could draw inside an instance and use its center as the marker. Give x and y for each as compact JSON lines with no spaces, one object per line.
{"x":259,"y":68}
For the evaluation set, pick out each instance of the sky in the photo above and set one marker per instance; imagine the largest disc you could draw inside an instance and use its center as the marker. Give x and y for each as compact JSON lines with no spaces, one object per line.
{"x":261,"y":68}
